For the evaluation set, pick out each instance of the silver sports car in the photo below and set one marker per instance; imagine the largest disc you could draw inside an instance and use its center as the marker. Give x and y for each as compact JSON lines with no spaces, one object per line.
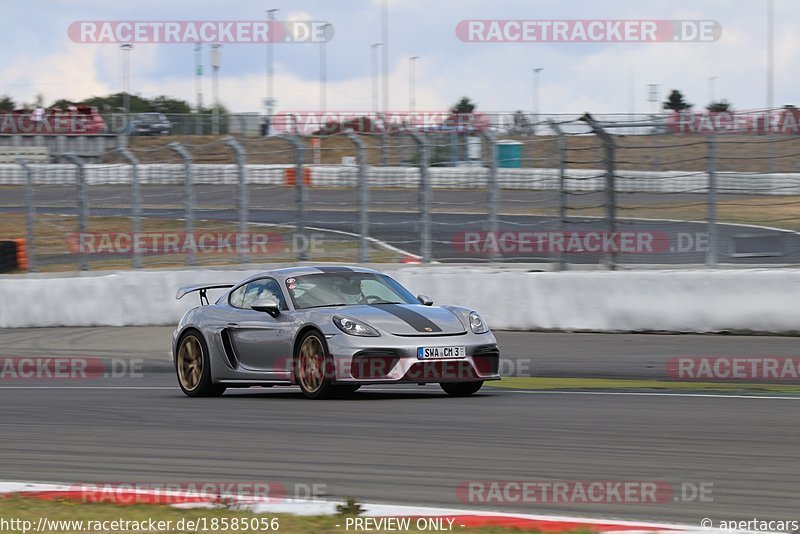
{"x":328,"y":330}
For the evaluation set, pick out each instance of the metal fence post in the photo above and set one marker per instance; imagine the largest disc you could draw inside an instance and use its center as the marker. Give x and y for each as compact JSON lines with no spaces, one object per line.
{"x":611,"y":194}
{"x":711,"y":254}
{"x":30,"y":200}
{"x":562,"y":189}
{"x":82,"y":203}
{"x":384,"y":141}
{"x":424,"y":196}
{"x":301,"y":193}
{"x":362,"y":189}
{"x":494,"y":193}
{"x":136,"y":204}
{"x":242,"y":200}
{"x":188,"y":195}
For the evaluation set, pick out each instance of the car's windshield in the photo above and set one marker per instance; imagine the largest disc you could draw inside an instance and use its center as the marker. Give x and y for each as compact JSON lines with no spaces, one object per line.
{"x":341,"y":289}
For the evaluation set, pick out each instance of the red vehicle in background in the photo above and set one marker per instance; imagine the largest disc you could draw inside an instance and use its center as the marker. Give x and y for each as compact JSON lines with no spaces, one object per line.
{"x":75,"y":120}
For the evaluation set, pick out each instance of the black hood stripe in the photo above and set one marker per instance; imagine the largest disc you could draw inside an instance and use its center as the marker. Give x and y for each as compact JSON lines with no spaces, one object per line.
{"x":334,"y":269}
{"x":417,"y":321}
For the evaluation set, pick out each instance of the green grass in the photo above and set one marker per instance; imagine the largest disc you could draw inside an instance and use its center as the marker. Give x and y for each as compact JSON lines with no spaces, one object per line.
{"x":539,"y":383}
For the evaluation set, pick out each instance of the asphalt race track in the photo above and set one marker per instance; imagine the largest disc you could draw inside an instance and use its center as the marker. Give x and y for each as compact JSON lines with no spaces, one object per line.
{"x":413,"y":444}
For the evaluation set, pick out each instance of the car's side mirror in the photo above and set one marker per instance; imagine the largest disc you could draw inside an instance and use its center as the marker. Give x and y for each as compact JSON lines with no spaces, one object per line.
{"x":425,"y":300}
{"x":266,"y":305}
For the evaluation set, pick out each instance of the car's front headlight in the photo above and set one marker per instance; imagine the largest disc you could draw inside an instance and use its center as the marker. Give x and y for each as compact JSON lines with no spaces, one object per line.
{"x":477,"y":324}
{"x":354,"y":327}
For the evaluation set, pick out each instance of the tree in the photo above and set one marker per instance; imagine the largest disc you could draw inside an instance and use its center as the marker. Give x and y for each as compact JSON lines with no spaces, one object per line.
{"x":7,"y":103}
{"x":62,"y":103}
{"x":719,"y":106}
{"x":676,"y":102}
{"x":138,"y":104}
{"x":165,"y":104}
{"x":115,"y":102}
{"x":465,"y":105}
{"x":460,"y":116}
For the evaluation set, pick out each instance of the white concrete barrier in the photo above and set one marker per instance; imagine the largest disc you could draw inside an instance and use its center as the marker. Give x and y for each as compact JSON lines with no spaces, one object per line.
{"x":514,"y":299}
{"x":534,"y":179}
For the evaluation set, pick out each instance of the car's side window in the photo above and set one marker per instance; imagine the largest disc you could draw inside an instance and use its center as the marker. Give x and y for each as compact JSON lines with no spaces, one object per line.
{"x":265,"y":288}
{"x":237,"y":296}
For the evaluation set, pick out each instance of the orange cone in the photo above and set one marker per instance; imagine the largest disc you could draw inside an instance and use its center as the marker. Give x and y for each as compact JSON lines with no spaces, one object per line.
{"x":22,"y":254}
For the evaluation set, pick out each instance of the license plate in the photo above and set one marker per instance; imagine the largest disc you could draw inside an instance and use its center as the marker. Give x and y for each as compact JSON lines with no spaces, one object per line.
{"x":437,"y":353}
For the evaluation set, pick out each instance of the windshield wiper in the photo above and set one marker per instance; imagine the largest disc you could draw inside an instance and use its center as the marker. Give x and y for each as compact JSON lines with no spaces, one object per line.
{"x":327,"y":305}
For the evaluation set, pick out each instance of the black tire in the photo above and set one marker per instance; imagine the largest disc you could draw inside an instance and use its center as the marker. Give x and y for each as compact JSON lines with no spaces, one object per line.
{"x":461,"y":389}
{"x":313,"y":366}
{"x":187,"y":373}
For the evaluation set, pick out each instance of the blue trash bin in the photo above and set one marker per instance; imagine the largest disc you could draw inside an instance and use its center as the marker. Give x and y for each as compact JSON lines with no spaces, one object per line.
{"x":509,"y":154}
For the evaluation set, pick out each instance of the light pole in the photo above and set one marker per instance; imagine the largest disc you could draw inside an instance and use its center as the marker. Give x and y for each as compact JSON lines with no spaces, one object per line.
{"x":323,"y":70}
{"x":770,"y":82}
{"x":412,"y":97}
{"x":631,"y":93}
{"x":536,"y":72}
{"x":712,"y":80}
{"x":770,"y":54}
{"x":215,"y":64}
{"x":374,"y":73}
{"x":269,"y":101}
{"x":126,"y":80}
{"x":198,"y":61}
{"x":385,"y":51}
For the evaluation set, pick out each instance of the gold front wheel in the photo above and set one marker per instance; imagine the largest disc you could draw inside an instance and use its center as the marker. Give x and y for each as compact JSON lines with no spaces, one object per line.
{"x":192,"y":365}
{"x":312,"y":367}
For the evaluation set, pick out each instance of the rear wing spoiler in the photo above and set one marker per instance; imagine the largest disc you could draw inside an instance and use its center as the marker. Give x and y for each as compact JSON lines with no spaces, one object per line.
{"x":202,"y":288}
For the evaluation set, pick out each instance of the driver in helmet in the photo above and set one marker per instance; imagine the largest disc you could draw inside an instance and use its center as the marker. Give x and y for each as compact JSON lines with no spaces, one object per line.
{"x":351,"y":290}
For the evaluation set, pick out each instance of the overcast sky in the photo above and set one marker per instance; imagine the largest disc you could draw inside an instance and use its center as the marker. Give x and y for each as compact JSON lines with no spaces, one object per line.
{"x":39,"y":57}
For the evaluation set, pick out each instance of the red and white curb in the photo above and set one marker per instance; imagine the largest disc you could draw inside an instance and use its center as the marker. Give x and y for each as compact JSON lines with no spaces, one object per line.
{"x":460,"y":518}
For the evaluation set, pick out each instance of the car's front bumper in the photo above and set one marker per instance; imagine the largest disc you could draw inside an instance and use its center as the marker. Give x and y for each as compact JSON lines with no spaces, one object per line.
{"x":392,"y":359}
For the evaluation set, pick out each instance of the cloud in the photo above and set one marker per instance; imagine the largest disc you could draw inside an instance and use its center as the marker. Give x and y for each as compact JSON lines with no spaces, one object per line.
{"x":576,"y":77}
{"x":69,"y":73}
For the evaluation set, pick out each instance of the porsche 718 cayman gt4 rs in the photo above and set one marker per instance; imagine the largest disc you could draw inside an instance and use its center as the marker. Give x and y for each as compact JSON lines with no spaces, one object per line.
{"x":328,"y":330}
